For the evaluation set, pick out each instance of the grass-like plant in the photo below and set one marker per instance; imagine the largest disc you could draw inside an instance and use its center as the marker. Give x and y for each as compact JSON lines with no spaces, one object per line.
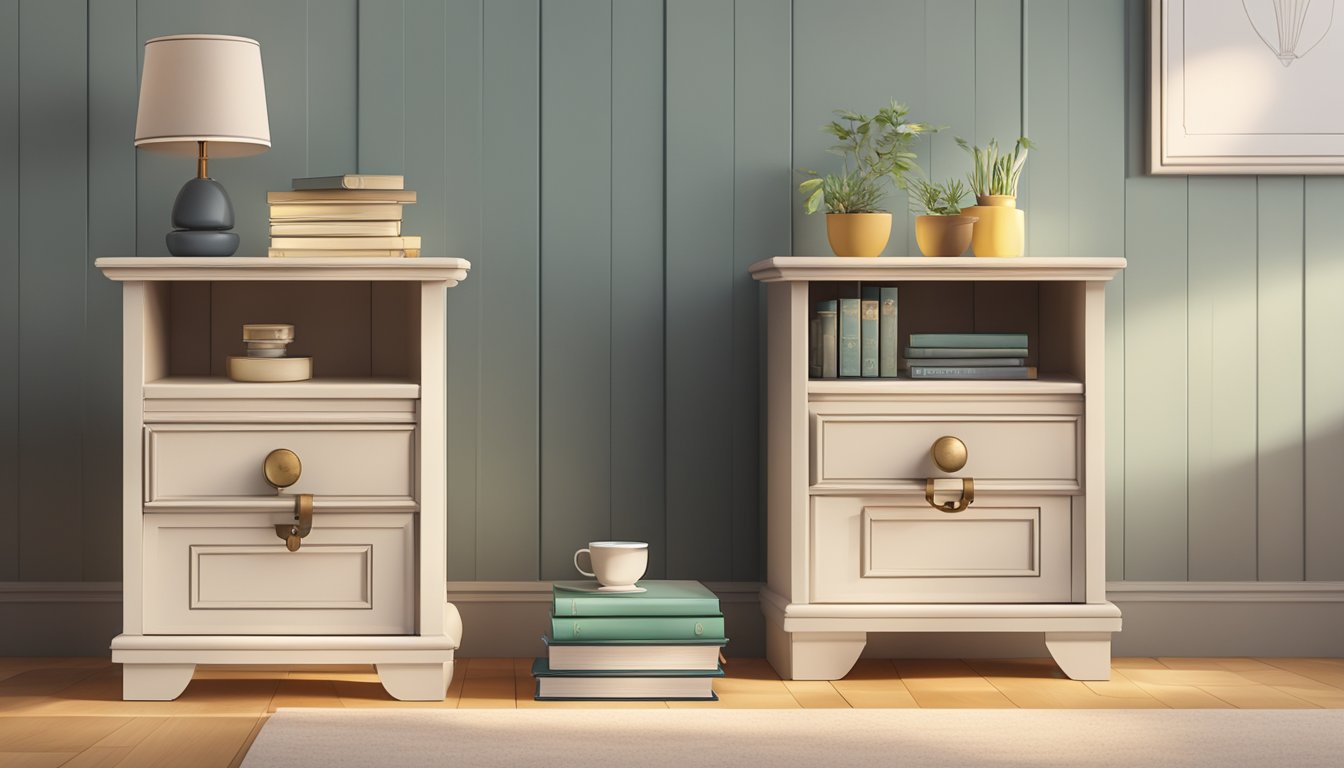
{"x":929,"y":198}
{"x":993,"y":173}
{"x":874,"y":149}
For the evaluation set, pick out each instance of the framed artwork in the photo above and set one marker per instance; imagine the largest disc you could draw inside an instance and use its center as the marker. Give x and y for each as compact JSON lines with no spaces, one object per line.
{"x":1246,"y":87}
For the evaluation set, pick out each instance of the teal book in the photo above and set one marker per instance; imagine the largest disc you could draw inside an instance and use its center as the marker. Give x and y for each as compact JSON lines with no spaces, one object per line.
{"x":957,"y":362}
{"x":941,"y":352}
{"x":850,"y":359}
{"x":667,"y":628}
{"x":659,"y":598}
{"x":982,"y":340}
{"x":886,"y":334}
{"x":972,"y":372}
{"x":829,"y":330}
{"x":868,"y":311}
{"x":814,"y":348}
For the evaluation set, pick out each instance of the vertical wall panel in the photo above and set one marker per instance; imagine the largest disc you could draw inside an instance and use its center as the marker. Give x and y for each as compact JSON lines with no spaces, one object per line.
{"x":333,"y":78}
{"x":462,"y":232}
{"x":1324,"y":379}
{"x":1279,"y":385}
{"x":998,"y":80}
{"x":53,"y":124}
{"x":699,"y":288}
{"x":382,"y":86}
{"x":1222,"y":330}
{"x":638,"y":480}
{"x":9,"y":289}
{"x":1049,"y":51}
{"x":113,"y":93}
{"x":507,"y":503}
{"x":575,"y":280}
{"x":949,"y":86}
{"x":762,"y":206}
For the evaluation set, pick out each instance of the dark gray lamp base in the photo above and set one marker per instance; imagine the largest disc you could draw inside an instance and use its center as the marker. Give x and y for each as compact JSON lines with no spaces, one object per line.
{"x":202,"y":213}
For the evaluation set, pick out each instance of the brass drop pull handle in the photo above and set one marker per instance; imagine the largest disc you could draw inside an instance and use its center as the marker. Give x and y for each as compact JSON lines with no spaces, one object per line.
{"x":949,"y":454}
{"x":967,"y":496}
{"x":293,"y":533}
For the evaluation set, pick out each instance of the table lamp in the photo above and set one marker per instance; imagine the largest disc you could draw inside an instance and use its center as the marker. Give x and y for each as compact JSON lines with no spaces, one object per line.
{"x":202,"y":95}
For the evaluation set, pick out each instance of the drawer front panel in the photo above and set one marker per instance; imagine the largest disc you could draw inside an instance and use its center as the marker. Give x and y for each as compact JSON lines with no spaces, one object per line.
{"x":228,"y":573}
{"x":898,"y":549}
{"x":195,"y":461}
{"x":1021,"y":452}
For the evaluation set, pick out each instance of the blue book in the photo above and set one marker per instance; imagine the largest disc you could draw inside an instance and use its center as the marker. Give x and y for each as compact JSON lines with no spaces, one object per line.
{"x":981,"y":340}
{"x":886,"y":334}
{"x":868,"y":311}
{"x":850,"y":359}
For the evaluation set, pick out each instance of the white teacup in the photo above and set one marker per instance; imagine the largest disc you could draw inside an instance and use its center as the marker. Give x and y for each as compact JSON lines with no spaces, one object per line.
{"x":616,"y":564}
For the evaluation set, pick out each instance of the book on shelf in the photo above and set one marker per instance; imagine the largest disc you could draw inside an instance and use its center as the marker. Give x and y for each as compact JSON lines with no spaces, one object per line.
{"x":659,"y":598}
{"x":407,"y":242}
{"x":665,"y":685}
{"x":850,"y":335}
{"x":887,"y":362}
{"x":666,"y":628}
{"x":944,"y":352}
{"x":973,"y":372}
{"x":814,"y":347}
{"x":829,"y":331}
{"x":343,"y":253}
{"x":980,"y":340}
{"x":336,"y":210}
{"x":960,"y":362}
{"x":633,"y":655}
{"x":869,"y":301}
{"x":335,"y":228}
{"x":351,"y":181}
{"x":402,"y":196}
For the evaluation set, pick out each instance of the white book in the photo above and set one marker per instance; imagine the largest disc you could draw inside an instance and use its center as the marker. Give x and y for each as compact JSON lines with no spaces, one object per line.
{"x":335,"y":210}
{"x":411,"y":242}
{"x":622,"y":656}
{"x":352,"y":181}
{"x":335,"y":228}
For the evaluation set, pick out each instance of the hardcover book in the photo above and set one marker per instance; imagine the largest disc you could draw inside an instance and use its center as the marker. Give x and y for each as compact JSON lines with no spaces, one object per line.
{"x":665,"y":628}
{"x":335,"y":228}
{"x":941,"y":352}
{"x":553,"y":684}
{"x":982,"y":340}
{"x":335,"y":210}
{"x":349,"y":253}
{"x":972,"y":372}
{"x":351,"y":181}
{"x":955,"y":362}
{"x":887,"y":363}
{"x":850,"y":358}
{"x":814,"y":348}
{"x":659,"y":598}
{"x":349,"y":195}
{"x":868,"y":330}
{"x":829,"y":328}
{"x":619,"y":655}
{"x":408,"y":242}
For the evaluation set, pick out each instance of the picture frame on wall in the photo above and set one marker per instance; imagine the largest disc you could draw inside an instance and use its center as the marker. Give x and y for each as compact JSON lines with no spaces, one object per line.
{"x":1246,"y":87}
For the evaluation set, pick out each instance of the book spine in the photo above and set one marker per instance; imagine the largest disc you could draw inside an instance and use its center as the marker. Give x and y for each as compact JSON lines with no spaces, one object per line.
{"x":971,"y":372}
{"x":982,"y":340}
{"x":868,"y":331}
{"x":937,"y":352}
{"x":669,"y":628}
{"x":814,"y":348}
{"x":886,"y":334}
{"x":826,"y":313}
{"x":956,"y":362}
{"x":850,"y":359}
{"x":566,"y":606}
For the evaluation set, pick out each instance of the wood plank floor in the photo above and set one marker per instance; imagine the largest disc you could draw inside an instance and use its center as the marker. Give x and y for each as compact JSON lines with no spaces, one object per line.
{"x":68,"y":712}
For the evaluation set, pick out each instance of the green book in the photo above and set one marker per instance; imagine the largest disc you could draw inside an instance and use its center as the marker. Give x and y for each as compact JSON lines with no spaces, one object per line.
{"x":827,"y":328}
{"x":669,"y":628}
{"x":850,"y":358}
{"x":868,"y":310}
{"x":969,"y":372}
{"x":886,"y":334}
{"x":659,"y":598}
{"x":982,"y":340}
{"x":941,"y":352}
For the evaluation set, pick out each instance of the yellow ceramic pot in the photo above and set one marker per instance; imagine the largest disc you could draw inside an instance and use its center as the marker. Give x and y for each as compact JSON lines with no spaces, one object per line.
{"x":1001,"y":229}
{"x":858,"y":234}
{"x":943,"y":235}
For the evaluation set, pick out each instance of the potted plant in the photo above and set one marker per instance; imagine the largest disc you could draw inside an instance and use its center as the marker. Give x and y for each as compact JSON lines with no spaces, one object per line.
{"x":941,"y":229}
{"x":875,"y":151}
{"x":1002,"y":228}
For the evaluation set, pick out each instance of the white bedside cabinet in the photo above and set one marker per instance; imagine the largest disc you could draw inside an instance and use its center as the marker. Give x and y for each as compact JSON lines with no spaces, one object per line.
{"x":208,"y":577}
{"x":854,"y":546}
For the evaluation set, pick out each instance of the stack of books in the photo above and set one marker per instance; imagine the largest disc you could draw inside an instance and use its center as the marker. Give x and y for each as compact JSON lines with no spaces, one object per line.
{"x":660,"y":644}
{"x":968,"y":356}
{"x":350,"y":215}
{"x":855,"y":338}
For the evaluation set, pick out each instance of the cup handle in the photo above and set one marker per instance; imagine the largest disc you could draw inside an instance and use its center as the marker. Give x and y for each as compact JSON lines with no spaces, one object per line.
{"x":590,"y":562}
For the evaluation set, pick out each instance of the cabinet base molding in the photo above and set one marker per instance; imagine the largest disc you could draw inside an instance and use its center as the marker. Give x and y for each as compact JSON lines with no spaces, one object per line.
{"x":1081,"y":655}
{"x":154,"y":682}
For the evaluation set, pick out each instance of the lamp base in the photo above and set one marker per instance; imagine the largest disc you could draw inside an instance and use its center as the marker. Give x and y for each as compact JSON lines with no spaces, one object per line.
{"x":202,"y":213}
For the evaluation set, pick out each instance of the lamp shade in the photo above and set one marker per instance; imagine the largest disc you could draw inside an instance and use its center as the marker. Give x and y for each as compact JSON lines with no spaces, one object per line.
{"x":203,"y":88}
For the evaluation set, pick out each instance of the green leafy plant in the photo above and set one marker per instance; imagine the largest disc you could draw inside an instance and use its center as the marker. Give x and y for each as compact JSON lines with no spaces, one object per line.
{"x":993,"y":173}
{"x":874,"y":149}
{"x":929,"y":198}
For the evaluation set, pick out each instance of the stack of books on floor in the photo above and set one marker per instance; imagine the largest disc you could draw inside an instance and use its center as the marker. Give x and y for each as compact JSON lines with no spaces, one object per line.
{"x":969,"y":356}
{"x":855,"y":338}
{"x":355,"y":215}
{"x":663,"y":643}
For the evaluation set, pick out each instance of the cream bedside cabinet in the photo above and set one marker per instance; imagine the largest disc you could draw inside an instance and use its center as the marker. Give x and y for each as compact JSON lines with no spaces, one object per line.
{"x":854,"y":546}
{"x":208,"y":577}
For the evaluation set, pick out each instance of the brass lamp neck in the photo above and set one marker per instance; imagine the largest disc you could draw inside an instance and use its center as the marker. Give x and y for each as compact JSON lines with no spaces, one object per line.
{"x":201,"y":160}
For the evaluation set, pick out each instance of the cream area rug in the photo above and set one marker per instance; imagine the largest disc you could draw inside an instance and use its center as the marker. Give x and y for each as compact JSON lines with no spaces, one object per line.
{"x":686,"y":738}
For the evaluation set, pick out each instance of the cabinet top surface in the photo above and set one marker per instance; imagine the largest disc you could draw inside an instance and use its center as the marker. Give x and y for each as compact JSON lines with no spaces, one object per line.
{"x":173,"y":268}
{"x":801,"y":268}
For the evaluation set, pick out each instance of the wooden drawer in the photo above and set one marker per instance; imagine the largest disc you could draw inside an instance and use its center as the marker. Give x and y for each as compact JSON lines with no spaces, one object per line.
{"x":227,"y":573}
{"x":208,"y":461}
{"x":889,"y":450}
{"x":897,"y":549}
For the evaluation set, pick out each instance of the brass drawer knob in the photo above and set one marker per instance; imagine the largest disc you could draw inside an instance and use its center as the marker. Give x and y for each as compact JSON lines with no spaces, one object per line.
{"x":282,"y":468}
{"x":949,"y":453}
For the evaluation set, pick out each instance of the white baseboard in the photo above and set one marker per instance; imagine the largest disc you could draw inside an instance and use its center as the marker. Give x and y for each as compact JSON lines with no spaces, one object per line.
{"x":508,"y":619}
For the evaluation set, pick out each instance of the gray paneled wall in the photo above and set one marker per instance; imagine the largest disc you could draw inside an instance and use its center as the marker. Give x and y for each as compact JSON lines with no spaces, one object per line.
{"x":611,"y":167}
